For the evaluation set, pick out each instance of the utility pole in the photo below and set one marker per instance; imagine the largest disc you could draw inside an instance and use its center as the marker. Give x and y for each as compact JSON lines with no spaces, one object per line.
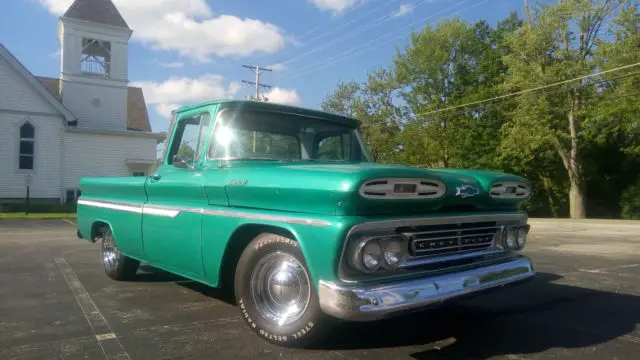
{"x":526,"y":12}
{"x":257,"y":70}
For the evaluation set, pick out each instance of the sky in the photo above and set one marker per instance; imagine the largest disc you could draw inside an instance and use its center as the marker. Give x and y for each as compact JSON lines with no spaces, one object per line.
{"x":188,"y":51}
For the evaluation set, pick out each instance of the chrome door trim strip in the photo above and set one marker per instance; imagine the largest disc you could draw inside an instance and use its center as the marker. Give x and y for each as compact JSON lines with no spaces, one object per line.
{"x":112,"y":205}
{"x":152,"y":210}
{"x":174,"y":211}
{"x":276,"y":218}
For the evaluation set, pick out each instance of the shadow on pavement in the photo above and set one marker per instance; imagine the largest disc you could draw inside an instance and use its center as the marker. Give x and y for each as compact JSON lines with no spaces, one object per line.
{"x":525,"y":319}
{"x":149,"y":274}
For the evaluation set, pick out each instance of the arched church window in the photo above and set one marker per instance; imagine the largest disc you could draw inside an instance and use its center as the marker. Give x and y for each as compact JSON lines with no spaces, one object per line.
{"x":27,"y":146}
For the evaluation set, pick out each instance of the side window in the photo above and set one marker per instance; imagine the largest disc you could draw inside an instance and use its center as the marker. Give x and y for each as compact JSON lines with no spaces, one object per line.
{"x":189,"y":139}
{"x":27,"y":142}
{"x":334,"y":146}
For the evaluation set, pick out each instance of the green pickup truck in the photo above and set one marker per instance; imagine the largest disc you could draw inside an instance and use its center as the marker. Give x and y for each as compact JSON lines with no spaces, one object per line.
{"x":284,"y":207}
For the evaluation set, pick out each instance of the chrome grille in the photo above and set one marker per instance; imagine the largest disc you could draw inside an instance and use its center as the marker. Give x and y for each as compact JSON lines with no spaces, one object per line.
{"x":449,"y":239}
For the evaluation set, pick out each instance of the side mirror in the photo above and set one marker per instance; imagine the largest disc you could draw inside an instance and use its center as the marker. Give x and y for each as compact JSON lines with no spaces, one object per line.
{"x":182,"y":163}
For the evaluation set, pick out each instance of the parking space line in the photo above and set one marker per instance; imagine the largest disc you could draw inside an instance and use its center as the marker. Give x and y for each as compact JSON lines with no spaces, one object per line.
{"x":21,"y":351}
{"x":604,"y":270}
{"x":607,"y":273}
{"x":69,"y":221}
{"x":610,"y":270}
{"x":106,"y":338}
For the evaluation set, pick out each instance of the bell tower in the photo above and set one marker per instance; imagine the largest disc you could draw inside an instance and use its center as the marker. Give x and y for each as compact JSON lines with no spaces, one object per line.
{"x":94,"y":40}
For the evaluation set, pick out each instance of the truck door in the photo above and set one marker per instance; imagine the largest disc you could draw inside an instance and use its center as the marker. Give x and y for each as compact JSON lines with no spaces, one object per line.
{"x":171,"y":218}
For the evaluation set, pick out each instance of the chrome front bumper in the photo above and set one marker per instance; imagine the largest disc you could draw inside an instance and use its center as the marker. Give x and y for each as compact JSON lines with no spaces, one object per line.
{"x":364,"y":303}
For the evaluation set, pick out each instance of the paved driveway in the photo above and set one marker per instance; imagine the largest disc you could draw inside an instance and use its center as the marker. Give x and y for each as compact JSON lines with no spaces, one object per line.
{"x":56,"y":303}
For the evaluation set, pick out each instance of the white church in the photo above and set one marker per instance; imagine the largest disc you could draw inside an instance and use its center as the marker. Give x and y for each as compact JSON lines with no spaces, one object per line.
{"x":88,"y":122}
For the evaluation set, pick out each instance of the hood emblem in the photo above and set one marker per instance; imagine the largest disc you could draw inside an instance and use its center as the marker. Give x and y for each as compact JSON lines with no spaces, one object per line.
{"x":465,"y":191}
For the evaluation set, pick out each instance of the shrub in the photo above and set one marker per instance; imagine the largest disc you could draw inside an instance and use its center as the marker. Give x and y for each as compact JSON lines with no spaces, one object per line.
{"x":40,"y":208}
{"x":630,"y":202}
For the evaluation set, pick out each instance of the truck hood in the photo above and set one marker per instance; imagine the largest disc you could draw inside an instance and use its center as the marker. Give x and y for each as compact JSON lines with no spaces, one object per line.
{"x":334,"y":189}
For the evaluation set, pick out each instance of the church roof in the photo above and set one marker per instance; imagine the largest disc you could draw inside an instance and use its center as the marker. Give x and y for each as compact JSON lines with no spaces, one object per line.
{"x":97,"y":11}
{"x":137,"y":116}
{"x":33,"y":81}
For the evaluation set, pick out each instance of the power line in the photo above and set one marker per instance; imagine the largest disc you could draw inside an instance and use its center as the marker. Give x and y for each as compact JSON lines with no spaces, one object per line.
{"x":375,"y":43}
{"x":351,"y":21}
{"x":328,"y":62}
{"x":352,"y":33}
{"x":331,"y":20}
{"x":258,"y":71}
{"x":530,"y":90}
{"x":495,"y":104}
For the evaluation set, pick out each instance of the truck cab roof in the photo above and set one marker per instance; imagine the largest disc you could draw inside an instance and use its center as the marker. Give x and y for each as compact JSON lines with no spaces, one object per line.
{"x":273,"y":107}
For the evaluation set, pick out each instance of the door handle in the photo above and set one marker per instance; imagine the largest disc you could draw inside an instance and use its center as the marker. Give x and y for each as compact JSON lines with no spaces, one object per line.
{"x":155,"y":177}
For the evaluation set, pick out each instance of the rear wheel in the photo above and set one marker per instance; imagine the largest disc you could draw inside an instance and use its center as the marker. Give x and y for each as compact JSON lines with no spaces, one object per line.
{"x":116,"y":265}
{"x":275,"y":293}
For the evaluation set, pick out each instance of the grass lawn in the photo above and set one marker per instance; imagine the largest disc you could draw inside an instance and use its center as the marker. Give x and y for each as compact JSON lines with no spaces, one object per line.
{"x":37,"y":216}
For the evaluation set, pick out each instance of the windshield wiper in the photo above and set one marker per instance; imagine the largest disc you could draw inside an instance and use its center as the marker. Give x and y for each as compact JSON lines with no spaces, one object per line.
{"x":298,"y":160}
{"x":312,"y":160}
{"x":252,"y":158}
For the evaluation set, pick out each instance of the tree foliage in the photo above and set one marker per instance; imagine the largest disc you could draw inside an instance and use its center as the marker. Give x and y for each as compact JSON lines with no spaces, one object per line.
{"x":571,"y":127}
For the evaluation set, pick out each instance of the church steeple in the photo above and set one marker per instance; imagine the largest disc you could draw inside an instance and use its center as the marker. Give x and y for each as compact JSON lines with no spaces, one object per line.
{"x":94,"y":41}
{"x":97,"y":11}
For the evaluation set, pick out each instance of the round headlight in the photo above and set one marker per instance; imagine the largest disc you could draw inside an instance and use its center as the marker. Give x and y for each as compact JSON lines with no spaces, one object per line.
{"x":511,"y":239}
{"x":522,"y":238}
{"x":393,"y":253}
{"x":371,"y":254}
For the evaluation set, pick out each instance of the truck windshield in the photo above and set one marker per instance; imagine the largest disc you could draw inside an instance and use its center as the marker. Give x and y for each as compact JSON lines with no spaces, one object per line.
{"x":262,"y":135}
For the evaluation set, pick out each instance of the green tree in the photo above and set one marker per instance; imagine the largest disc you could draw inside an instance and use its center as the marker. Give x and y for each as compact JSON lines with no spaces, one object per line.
{"x":372,"y":104}
{"x":186,"y":151}
{"x":561,"y":43}
{"x":454,"y":63}
{"x":567,"y":138}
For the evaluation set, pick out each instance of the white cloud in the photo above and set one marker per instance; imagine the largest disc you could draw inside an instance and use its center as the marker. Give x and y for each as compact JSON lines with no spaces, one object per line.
{"x":177,"y":91}
{"x":172,"y":65}
{"x":165,"y":110}
{"x":337,"y":6}
{"x":403,"y":10}
{"x":283,"y":96}
{"x":190,"y":28}
{"x":277,"y":67}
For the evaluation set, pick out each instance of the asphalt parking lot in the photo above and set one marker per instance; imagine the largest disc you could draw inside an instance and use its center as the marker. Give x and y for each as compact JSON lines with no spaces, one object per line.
{"x":56,"y":303}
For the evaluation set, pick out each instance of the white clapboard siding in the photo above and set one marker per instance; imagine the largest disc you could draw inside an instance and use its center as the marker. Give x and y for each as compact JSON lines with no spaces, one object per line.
{"x":95,"y":105}
{"x":103,"y":155}
{"x":46,"y":175}
{"x":17,"y":95}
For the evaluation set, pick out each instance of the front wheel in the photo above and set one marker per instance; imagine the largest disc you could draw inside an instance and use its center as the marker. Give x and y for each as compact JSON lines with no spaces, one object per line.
{"x":116,"y":265}
{"x":275,"y":293}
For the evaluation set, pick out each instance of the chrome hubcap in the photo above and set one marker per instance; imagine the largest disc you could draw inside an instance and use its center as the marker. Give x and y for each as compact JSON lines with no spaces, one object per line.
{"x":109,"y":251}
{"x":280,"y":288}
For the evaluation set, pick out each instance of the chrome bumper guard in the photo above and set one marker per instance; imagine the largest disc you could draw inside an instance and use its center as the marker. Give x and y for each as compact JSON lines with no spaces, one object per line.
{"x":365,"y":303}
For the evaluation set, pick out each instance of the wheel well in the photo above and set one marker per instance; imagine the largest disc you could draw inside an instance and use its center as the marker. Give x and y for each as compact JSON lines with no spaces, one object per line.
{"x":239,"y":241}
{"x":95,"y":229}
